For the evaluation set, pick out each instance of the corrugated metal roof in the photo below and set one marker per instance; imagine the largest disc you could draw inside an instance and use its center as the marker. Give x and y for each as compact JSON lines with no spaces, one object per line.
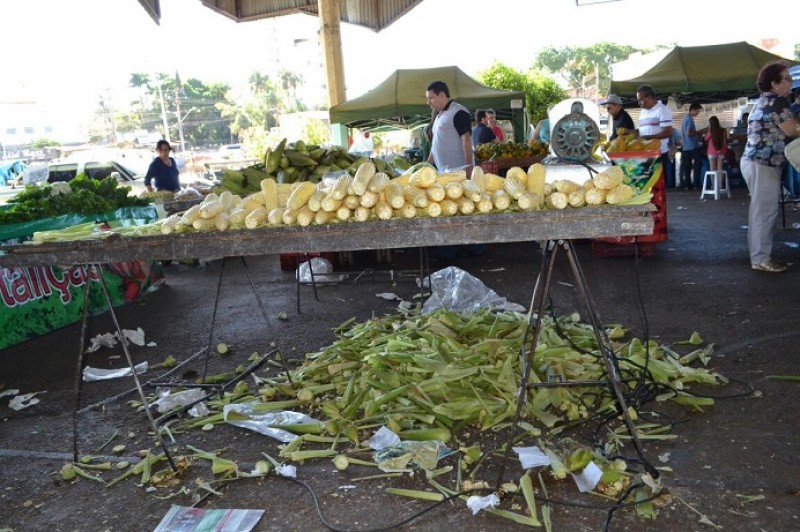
{"x":373,"y":14}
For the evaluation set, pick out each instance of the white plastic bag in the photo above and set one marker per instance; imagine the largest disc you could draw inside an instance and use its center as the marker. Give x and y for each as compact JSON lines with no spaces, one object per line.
{"x":454,"y":289}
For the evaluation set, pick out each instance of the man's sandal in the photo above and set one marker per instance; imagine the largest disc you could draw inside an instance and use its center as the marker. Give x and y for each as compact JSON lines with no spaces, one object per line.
{"x":769,"y":266}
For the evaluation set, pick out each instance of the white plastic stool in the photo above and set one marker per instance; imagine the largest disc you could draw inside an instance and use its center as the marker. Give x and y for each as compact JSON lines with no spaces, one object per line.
{"x":716,"y":182}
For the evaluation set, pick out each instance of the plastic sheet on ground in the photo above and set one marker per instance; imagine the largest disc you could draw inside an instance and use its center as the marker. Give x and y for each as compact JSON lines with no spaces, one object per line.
{"x":179,"y":399}
{"x":454,"y":289}
{"x":477,"y":503}
{"x":91,"y":374}
{"x":323,"y":271}
{"x":245,"y":415}
{"x":425,"y":454}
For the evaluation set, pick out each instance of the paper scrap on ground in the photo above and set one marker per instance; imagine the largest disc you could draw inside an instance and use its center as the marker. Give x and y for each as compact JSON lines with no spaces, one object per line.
{"x":111,"y":339}
{"x":587,"y":479}
{"x":477,"y":503}
{"x":91,"y":374}
{"x":23,"y":401}
{"x":287,"y":471}
{"x":389,"y":296}
{"x":12,"y":391}
{"x":188,"y":519}
{"x":531,"y":457}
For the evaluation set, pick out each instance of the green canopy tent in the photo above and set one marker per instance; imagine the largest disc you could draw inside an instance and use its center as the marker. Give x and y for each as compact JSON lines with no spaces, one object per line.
{"x":399,"y":101}
{"x":703,"y":74}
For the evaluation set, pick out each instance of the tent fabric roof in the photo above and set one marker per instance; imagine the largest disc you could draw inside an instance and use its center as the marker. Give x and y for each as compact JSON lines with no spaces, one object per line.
{"x":702,"y":74}
{"x":399,"y":100}
{"x":373,"y":14}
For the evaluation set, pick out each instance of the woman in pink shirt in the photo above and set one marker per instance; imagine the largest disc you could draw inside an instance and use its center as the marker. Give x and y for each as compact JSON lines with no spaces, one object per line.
{"x":717,"y":144}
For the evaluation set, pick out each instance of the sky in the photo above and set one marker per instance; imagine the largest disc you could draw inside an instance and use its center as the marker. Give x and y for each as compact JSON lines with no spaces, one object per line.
{"x":70,"y":52}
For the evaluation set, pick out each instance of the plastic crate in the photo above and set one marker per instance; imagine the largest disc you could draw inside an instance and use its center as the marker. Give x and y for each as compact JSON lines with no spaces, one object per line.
{"x":290,"y":261}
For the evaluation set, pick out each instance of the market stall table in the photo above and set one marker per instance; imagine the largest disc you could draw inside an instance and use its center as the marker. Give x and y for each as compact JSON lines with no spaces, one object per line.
{"x":568,"y":224}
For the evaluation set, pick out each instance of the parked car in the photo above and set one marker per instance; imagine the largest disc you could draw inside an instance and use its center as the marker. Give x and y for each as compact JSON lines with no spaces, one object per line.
{"x":231,"y":151}
{"x":96,"y":169}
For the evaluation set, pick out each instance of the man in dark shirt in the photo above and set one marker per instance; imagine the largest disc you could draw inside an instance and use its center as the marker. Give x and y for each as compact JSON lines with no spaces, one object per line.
{"x":482,"y":133}
{"x":621,"y":117}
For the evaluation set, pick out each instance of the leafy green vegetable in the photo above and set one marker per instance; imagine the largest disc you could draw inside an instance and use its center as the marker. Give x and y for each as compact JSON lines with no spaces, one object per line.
{"x":86,"y":196}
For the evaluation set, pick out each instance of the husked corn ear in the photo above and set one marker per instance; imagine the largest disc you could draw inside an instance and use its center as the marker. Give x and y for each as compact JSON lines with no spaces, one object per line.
{"x":257,"y":197}
{"x":449,"y":207}
{"x":549,"y":189}
{"x":619,"y":194}
{"x":401,"y":180}
{"x":435,"y":192}
{"x":423,"y":178}
{"x":378,"y":182}
{"x":406,"y":211}
{"x":300,"y":195}
{"x":530,"y":201}
{"x":209,"y":209}
{"x":169,"y":223}
{"x":343,"y":213}
{"x":340,"y":188}
{"x":323,"y":217}
{"x":537,"y":175}
{"x":361,"y":214}
{"x":284,"y":189}
{"x":275,"y":216}
{"x":352,"y":201}
{"x":588,"y":184}
{"x":362,"y":178}
{"x":454,"y":191}
{"x":514,"y":187}
{"x":415,"y":196}
{"x":577,"y":198}
{"x":256,"y":218}
{"x":451,"y":177}
{"x":433,"y":209}
{"x":501,"y":200}
{"x":466,"y":206}
{"x":289,"y":217}
{"x":476,"y":170}
{"x":250,"y":205}
{"x":315,"y":201}
{"x":305,"y":216}
{"x":369,"y":199}
{"x":227,"y":199}
{"x":480,"y":181}
{"x":515,"y":172}
{"x":394,"y":195}
{"x":556,"y":200}
{"x":237,"y":216}
{"x":269,"y":188}
{"x":204,"y":225}
{"x":330,"y":204}
{"x":383,"y":210}
{"x":595,"y":196}
{"x":566,"y":186}
{"x":222,"y":221}
{"x":485,"y":204}
{"x":472,"y":190}
{"x":493,"y":182}
{"x":609,"y":178}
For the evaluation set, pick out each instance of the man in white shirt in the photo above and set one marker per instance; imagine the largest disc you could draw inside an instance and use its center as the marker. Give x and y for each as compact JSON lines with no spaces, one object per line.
{"x":655,"y":122}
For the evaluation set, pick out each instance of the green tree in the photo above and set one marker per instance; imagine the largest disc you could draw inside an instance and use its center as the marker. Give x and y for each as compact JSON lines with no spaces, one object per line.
{"x":316,"y":132}
{"x":540,"y":90}
{"x":583,"y":66}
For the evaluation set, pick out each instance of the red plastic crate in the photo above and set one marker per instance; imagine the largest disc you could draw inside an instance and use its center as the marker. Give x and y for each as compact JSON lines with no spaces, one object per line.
{"x":290,"y":261}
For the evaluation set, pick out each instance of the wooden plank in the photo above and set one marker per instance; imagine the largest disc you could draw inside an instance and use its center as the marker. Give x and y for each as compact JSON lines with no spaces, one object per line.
{"x":588,"y":222}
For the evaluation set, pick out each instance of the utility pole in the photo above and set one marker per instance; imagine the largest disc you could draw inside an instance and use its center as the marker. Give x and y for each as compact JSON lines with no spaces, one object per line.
{"x":163,"y":112}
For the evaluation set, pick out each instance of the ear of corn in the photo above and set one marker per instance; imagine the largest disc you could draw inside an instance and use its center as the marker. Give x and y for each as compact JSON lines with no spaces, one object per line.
{"x":454,"y":191}
{"x":566,"y":186}
{"x":609,"y":178}
{"x":451,"y":177}
{"x":275,"y":216}
{"x":257,"y":197}
{"x":361,"y":180}
{"x":351,"y":201}
{"x":537,"y":175}
{"x":323,"y":217}
{"x":449,"y":207}
{"x":501,"y":200}
{"x":340,"y":188}
{"x":305,"y":216}
{"x":383,"y":210}
{"x":515,"y":172}
{"x":406,"y":211}
{"x":476,"y":171}
{"x":204,"y":224}
{"x":256,"y":218}
{"x":315,"y":201}
{"x":619,"y":194}
{"x":423,"y":178}
{"x":361,"y":213}
{"x":300,"y":195}
{"x":530,"y":201}
{"x":221,"y":221}
{"x":209,"y":209}
{"x":472,"y":190}
{"x":595,"y":196}
{"x":466,"y":206}
{"x":415,"y":196}
{"x":378,"y":182}
{"x":288,"y":217}
{"x":433,"y":209}
{"x":557,"y":201}
{"x":369,"y":199}
{"x":330,"y":204}
{"x":577,"y":198}
{"x":394,"y":195}
{"x":269,"y":188}
{"x":514,"y":187}
{"x":485,"y":204}
{"x":343,"y":213}
{"x":435,"y":192}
